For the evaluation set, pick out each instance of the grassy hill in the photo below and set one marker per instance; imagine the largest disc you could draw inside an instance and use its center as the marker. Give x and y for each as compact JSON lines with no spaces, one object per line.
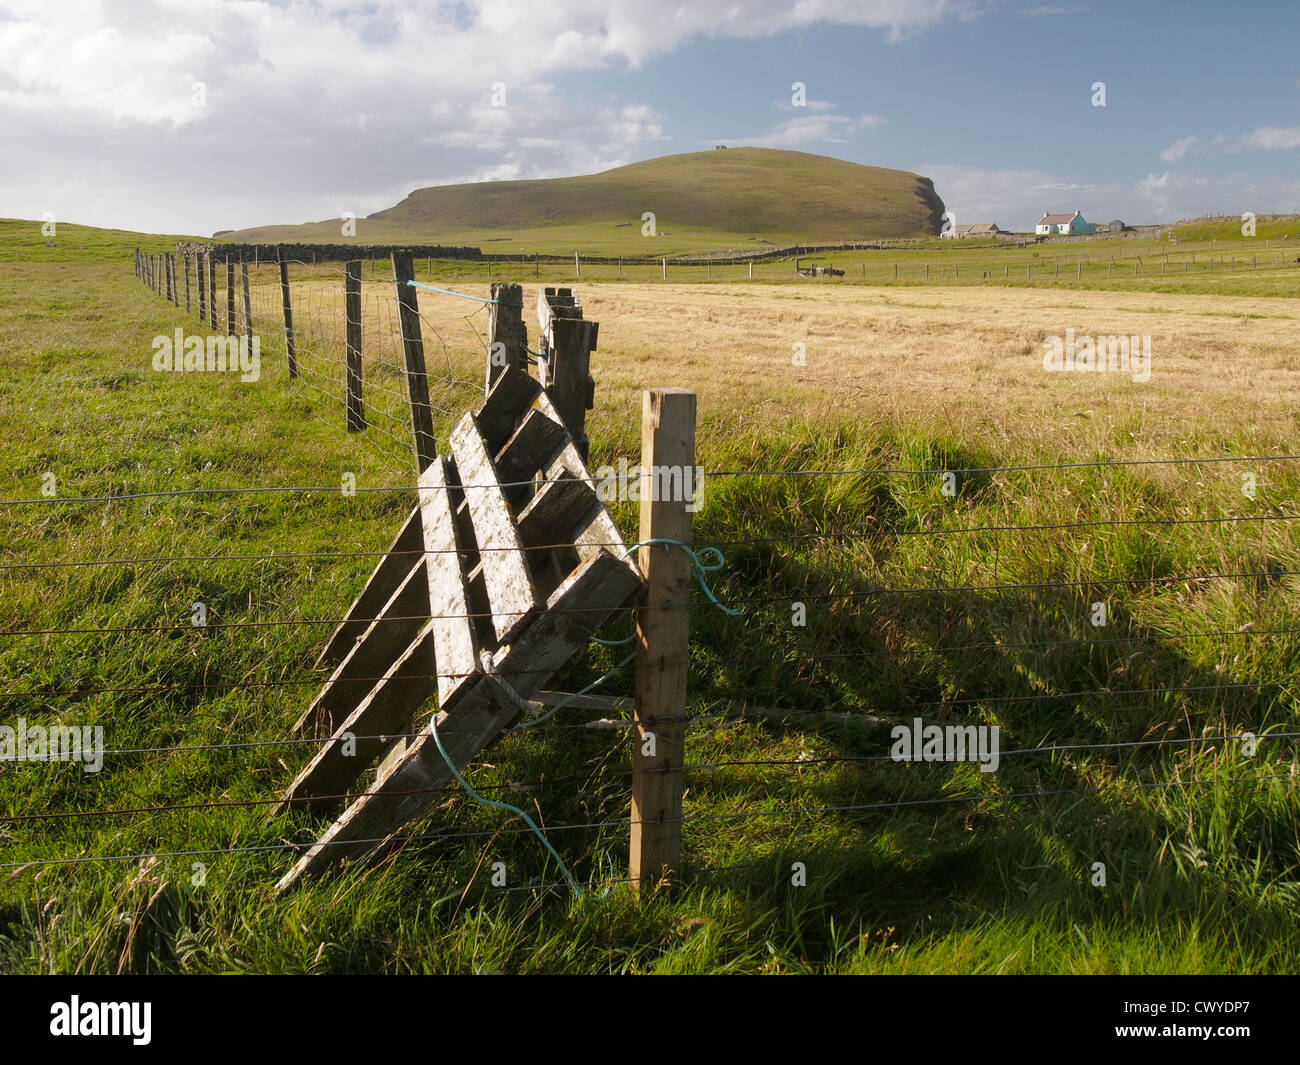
{"x":1228,"y":228}
{"x":737,"y":198}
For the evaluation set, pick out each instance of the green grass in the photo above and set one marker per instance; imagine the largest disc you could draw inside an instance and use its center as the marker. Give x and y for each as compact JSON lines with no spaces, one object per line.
{"x":1229,"y":228}
{"x":1201,"y":857}
{"x":739,"y":198}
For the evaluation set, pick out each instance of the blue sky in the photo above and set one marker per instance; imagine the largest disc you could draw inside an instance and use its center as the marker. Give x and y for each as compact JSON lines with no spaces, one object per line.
{"x":311,"y":109}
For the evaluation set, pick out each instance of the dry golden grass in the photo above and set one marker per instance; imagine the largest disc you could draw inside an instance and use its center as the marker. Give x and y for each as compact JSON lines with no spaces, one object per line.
{"x":962,"y":362}
{"x":970,"y":357}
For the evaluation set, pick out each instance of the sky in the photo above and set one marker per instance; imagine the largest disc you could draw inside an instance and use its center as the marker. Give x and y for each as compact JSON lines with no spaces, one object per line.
{"x":191,"y":116}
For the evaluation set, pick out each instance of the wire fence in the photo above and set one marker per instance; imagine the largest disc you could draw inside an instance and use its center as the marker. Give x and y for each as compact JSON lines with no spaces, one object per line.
{"x":454,"y":341}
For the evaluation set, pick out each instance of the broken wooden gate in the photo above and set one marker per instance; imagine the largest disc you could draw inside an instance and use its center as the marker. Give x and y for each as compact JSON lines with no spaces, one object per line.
{"x":497,"y":579}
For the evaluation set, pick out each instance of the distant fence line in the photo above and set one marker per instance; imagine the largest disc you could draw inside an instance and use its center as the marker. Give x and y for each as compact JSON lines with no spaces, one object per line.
{"x":322,"y":253}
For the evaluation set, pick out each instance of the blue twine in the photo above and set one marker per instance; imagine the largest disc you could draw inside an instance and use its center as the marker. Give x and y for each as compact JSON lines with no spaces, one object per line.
{"x":698,"y":568}
{"x":613,"y":643}
{"x":502,"y":806}
{"x":461,"y":295}
{"x":595,"y":683}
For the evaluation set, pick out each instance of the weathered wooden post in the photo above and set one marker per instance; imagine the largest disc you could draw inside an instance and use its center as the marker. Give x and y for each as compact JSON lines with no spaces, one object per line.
{"x":577,"y":266}
{"x":507,"y":334}
{"x":356,"y":416}
{"x":664,"y":263}
{"x":203,"y":288}
{"x":663,"y":637}
{"x":187,"y":282}
{"x":417,"y":380}
{"x":248,"y":306}
{"x":176,"y":285}
{"x":569,"y":375}
{"x":230,"y":297}
{"x":212,"y":291}
{"x":288,"y":314}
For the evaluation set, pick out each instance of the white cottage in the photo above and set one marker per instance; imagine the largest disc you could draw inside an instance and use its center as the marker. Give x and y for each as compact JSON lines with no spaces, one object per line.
{"x":1063,"y":224}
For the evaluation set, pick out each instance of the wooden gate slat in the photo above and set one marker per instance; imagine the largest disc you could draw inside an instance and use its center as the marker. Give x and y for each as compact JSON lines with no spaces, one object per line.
{"x":453,"y":629}
{"x":594,"y":591}
{"x":511,"y":395}
{"x":511,"y":592}
{"x":387,"y":709}
{"x":379,"y":647}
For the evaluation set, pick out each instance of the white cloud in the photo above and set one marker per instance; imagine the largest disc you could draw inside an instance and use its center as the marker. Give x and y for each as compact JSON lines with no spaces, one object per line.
{"x":1050,"y":10}
{"x":1271,"y":138}
{"x":1179,"y":149}
{"x":807,"y":129}
{"x":1262,"y":138}
{"x":310,"y":103}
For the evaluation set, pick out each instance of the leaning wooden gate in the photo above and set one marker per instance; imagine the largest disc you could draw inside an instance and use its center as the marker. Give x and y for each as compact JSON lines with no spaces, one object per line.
{"x":497,"y":579}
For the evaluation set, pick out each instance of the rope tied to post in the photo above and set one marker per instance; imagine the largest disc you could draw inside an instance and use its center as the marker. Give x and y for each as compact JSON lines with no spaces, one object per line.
{"x":699,"y":568}
{"x":463,"y":295}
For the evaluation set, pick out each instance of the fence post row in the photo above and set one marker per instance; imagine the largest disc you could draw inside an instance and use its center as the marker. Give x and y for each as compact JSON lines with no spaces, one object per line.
{"x":417,"y":380}
{"x":356,"y":417}
{"x":288,"y":314}
{"x":663,"y":639}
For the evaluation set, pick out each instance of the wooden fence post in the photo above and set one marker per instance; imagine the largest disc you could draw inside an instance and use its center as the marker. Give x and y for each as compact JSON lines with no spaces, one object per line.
{"x":569,"y":375}
{"x":663,"y":639}
{"x":288,"y":314}
{"x":356,"y":416}
{"x":203,"y":287}
{"x":176,"y":285}
{"x":212,"y":291}
{"x":506,"y":327}
{"x":187,"y":282}
{"x":248,"y":306}
{"x":577,"y":267}
{"x":230,"y":297}
{"x":664,"y":263}
{"x":417,"y":380}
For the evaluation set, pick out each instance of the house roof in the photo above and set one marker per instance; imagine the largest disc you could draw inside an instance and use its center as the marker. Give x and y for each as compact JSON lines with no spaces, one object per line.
{"x":1056,"y":219}
{"x":983,"y":227}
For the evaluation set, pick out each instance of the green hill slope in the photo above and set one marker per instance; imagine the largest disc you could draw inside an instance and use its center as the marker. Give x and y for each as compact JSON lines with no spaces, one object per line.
{"x":738,"y":197}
